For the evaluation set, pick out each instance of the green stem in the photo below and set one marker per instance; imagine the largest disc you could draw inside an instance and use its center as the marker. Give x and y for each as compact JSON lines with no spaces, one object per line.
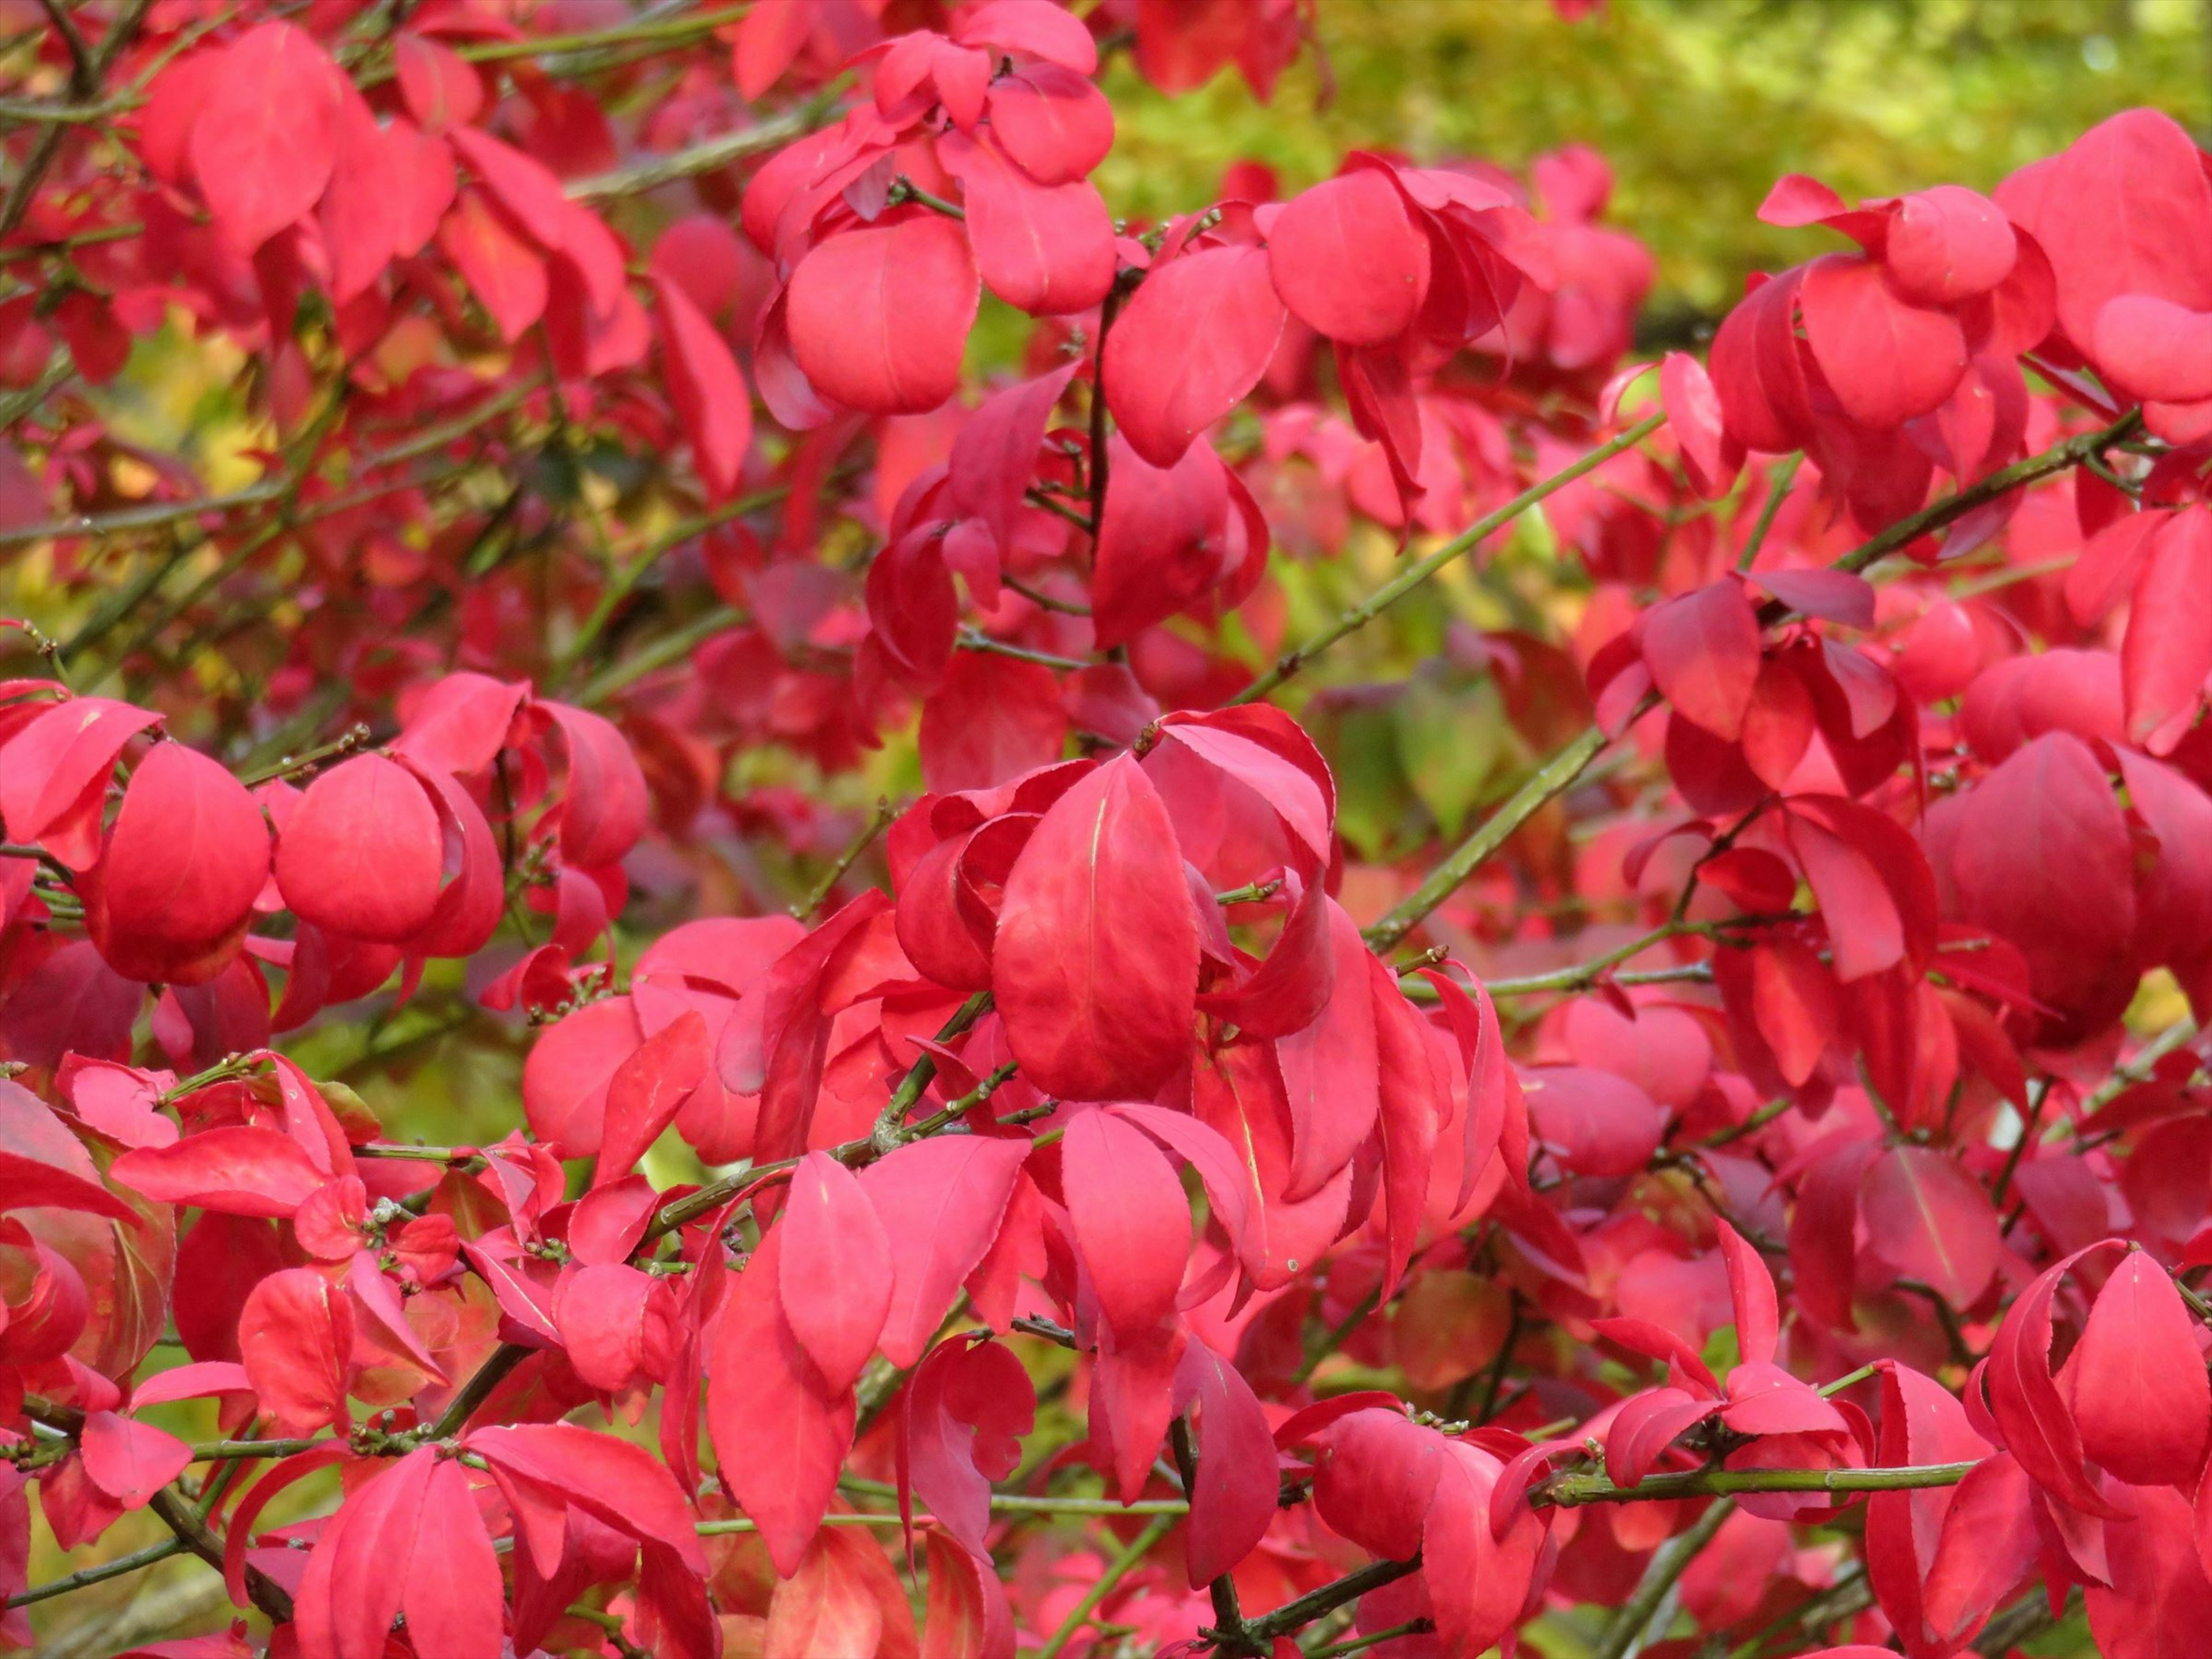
{"x":624,"y":585}
{"x":1360,"y":1644}
{"x":1952,"y":507}
{"x":1116,"y":1569}
{"x":975,"y":638}
{"x":1554,"y":777}
{"x":1396,"y":589}
{"x":879,"y":821}
{"x":1625,"y":1633}
{"x":107,"y":1570}
{"x":1318,"y":1603}
{"x":669,"y":648}
{"x":1570,"y":1491}
{"x":1778,"y":491}
{"x":706,"y":156}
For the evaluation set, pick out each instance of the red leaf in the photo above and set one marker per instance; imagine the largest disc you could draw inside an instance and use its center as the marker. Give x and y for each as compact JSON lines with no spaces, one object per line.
{"x":441,"y":90}
{"x":1189,"y":346}
{"x":1374,"y":1478}
{"x":361,"y":853}
{"x":296,"y":1338}
{"x":989,"y":720}
{"x":604,"y":1312}
{"x":1928,"y":1220}
{"x":1237,"y":1094}
{"x":30,"y":1184}
{"x":235,"y":1169}
{"x":837,"y":1601}
{"x":836,"y":1273}
{"x":1948,"y":244}
{"x":2126,"y":209}
{"x":1053,"y":123}
{"x":130,"y":1461}
{"x":780,"y":1433}
{"x":2041,"y":854}
{"x":1887,"y":359}
{"x":961,"y":1429}
{"x":879,"y":317}
{"x":1045,"y":249}
{"x":2025,"y":1400}
{"x":710,"y":395}
{"x":2168,"y":650}
{"x":1479,"y":1580}
{"x":1096,"y":962}
{"x":1331,"y":1076}
{"x":532,"y":194}
{"x":995,"y":453}
{"x":769,"y":40}
{"x":185,"y":861}
{"x":1164,"y":543}
{"x":1864,"y":926}
{"x":1751,"y":1289}
{"x":941,"y":1202}
{"x":2139,"y":1396}
{"x":1362,"y":299}
{"x":504,"y":271}
{"x":565,"y":1080}
{"x":1413,"y":1106}
{"x":1132,"y":1221}
{"x":262,"y":147}
{"x":2159,"y":1604}
{"x":1702,"y":650}
{"x":1596,"y":1123}
{"x":455,"y":1600}
{"x":1694,"y":416}
{"x":2155,"y":348}
{"x":604,"y":803}
{"x":966,"y":1616}
{"x":612,"y":1481}
{"x":56,"y":770}
{"x":1233,"y":1501}
{"x":646,"y":1090}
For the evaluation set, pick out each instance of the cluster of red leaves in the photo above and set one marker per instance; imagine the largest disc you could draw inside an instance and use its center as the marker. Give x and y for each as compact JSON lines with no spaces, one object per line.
{"x":1112,"y":1066}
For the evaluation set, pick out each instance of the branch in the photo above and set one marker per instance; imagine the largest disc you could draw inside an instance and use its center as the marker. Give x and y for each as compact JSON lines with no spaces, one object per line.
{"x":2071,"y":453}
{"x":669,"y":648}
{"x":1316,"y":1603}
{"x":177,"y":1514}
{"x":1116,"y":1570}
{"x":1572,"y":1491}
{"x":1555,"y":777}
{"x":625,"y":583}
{"x":879,"y":821}
{"x":706,"y":156}
{"x":477,"y":1390}
{"x":152,"y":515}
{"x":121,"y":1565}
{"x":975,"y":638}
{"x":1559,"y":774}
{"x":83,"y":75}
{"x":1625,"y":1633}
{"x":91,"y":69}
{"x":1396,"y":589}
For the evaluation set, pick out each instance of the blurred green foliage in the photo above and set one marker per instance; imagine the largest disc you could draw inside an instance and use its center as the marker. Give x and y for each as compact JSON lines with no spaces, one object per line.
{"x":1698,"y":104}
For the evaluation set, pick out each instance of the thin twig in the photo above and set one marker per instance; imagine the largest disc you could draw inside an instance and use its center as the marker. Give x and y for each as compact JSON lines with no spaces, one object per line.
{"x":1625,"y":1634}
{"x":1396,"y":589}
{"x":1116,"y":1569}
